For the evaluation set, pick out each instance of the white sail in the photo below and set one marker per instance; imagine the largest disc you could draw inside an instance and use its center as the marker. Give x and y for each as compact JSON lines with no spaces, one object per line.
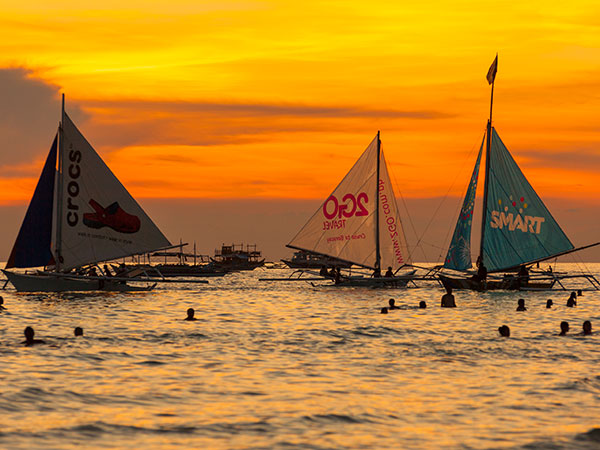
{"x":392,"y":241}
{"x":344,"y":225}
{"x":98,"y":219}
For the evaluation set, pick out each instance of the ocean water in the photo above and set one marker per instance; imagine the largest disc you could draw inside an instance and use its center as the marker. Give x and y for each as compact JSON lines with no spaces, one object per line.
{"x":292,"y":366}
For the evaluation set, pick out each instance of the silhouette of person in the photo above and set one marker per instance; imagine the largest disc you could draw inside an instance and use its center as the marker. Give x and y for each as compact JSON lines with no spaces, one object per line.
{"x":572,"y":300}
{"x":523,"y":275}
{"x":448,"y":299}
{"x":564,"y":328}
{"x":29,"y":340}
{"x":78,"y":331}
{"x":587,"y":328}
{"x":422,"y":304}
{"x":521,"y":304}
{"x":377,"y":273}
{"x":107,"y":271}
{"x":337,"y":278}
{"x":549,"y":303}
{"x":92,"y":272}
{"x":389,"y":273}
{"x":323,"y":272}
{"x":392,"y":303}
{"x":504,"y":331}
{"x":481,"y":270}
{"x":579,"y":293}
{"x":1,"y":303}
{"x":190,"y":315}
{"x":384,"y":310}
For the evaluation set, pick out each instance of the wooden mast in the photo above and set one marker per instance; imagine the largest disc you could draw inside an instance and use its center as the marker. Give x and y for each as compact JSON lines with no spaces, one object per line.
{"x":488,"y":145}
{"x":377,"y":245}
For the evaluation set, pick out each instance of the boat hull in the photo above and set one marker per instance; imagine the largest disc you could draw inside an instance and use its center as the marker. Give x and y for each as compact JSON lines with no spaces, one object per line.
{"x":50,"y":283}
{"x":509,"y":284}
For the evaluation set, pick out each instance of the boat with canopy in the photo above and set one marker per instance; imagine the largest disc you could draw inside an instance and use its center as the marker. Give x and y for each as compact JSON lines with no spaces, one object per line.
{"x":359,"y":224}
{"x":80,"y":215}
{"x":517,"y":229}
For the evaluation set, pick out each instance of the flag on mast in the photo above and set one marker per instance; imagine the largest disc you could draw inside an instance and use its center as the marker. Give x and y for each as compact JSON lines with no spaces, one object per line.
{"x":491,"y":75}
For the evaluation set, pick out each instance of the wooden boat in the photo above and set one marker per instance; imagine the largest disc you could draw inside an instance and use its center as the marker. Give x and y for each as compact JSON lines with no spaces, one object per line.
{"x":517,"y":230}
{"x":308,"y":260}
{"x":80,"y":215}
{"x":237,"y":257}
{"x":359,"y":224}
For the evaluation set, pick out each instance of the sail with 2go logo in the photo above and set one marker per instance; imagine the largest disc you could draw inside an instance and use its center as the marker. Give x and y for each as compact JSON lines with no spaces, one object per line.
{"x":337,"y":212}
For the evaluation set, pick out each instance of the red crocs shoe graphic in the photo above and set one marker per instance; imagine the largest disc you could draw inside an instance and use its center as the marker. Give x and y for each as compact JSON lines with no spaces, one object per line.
{"x":112,"y":216}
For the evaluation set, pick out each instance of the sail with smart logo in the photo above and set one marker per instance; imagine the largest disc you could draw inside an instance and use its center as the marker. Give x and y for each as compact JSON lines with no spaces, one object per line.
{"x":519,"y":228}
{"x":359,"y":222}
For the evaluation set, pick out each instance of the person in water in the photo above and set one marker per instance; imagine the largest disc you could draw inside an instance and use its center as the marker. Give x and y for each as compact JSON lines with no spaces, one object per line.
{"x":1,"y":303}
{"x":587,"y":328}
{"x":78,"y":331}
{"x":564,"y":328}
{"x":572,"y":301}
{"x":389,"y":273}
{"x":392,"y":303}
{"x":521,"y":305}
{"x":384,"y":310}
{"x":29,"y":340}
{"x":190,"y":315}
{"x":579,"y":293}
{"x":549,"y":303}
{"x":422,"y":304}
{"x":448,"y":299}
{"x":504,"y":331}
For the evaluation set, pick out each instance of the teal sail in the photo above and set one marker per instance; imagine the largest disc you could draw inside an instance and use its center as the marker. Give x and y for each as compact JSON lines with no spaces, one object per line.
{"x":459,"y":252}
{"x":518,"y":227}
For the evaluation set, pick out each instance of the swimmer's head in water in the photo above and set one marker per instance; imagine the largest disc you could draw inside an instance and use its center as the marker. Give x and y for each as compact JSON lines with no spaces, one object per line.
{"x":549,"y":303}
{"x":190,"y":313}
{"x":504,"y":331}
{"x":29,"y":333}
{"x":422,"y":304}
{"x":78,"y":331}
{"x":392,"y":302}
{"x":564,"y":327}
{"x":384,"y":310}
{"x":587,"y":327}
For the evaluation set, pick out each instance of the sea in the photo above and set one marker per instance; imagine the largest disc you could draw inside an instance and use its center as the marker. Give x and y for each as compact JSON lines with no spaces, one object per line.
{"x":292,"y":365}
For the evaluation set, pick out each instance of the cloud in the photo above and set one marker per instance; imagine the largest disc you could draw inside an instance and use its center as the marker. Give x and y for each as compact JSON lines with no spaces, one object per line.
{"x":579,"y":159}
{"x":207,"y":123}
{"x":29,"y":117}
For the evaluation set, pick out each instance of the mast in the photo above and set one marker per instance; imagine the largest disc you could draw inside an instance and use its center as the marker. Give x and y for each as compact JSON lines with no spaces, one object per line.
{"x":59,"y":188}
{"x":377,"y":245}
{"x":491,"y":77}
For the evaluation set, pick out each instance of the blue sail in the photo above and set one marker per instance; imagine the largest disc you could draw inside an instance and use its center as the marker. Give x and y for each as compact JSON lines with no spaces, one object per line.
{"x":459,"y":253}
{"x":32,"y":247}
{"x":518,"y":227}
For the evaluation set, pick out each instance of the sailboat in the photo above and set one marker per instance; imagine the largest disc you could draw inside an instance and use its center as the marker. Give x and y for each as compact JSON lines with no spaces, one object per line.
{"x":517,"y":229}
{"x":80,"y":215}
{"x":359,"y":224}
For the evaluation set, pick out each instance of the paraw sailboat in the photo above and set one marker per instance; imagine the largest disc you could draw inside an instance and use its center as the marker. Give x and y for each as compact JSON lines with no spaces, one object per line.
{"x":80,"y":215}
{"x":359,"y":224}
{"x":517,"y":229}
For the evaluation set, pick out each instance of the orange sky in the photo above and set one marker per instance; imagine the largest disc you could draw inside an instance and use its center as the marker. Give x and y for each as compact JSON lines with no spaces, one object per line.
{"x":276,"y":99}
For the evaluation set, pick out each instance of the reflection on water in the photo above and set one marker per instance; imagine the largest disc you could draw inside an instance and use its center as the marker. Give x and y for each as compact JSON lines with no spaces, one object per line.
{"x":270,"y":365}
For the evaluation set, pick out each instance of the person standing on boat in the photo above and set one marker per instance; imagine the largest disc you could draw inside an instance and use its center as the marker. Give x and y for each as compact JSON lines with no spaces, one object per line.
{"x":448,"y":299}
{"x":389,"y":273}
{"x":523,"y":276}
{"x":323,"y":272}
{"x":377,"y":273}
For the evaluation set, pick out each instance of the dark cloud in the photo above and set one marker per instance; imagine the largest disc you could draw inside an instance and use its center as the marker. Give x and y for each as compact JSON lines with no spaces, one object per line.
{"x":29,"y":116}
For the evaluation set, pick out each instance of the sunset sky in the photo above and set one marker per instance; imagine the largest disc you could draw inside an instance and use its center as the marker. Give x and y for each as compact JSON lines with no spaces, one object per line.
{"x":263,"y":100}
